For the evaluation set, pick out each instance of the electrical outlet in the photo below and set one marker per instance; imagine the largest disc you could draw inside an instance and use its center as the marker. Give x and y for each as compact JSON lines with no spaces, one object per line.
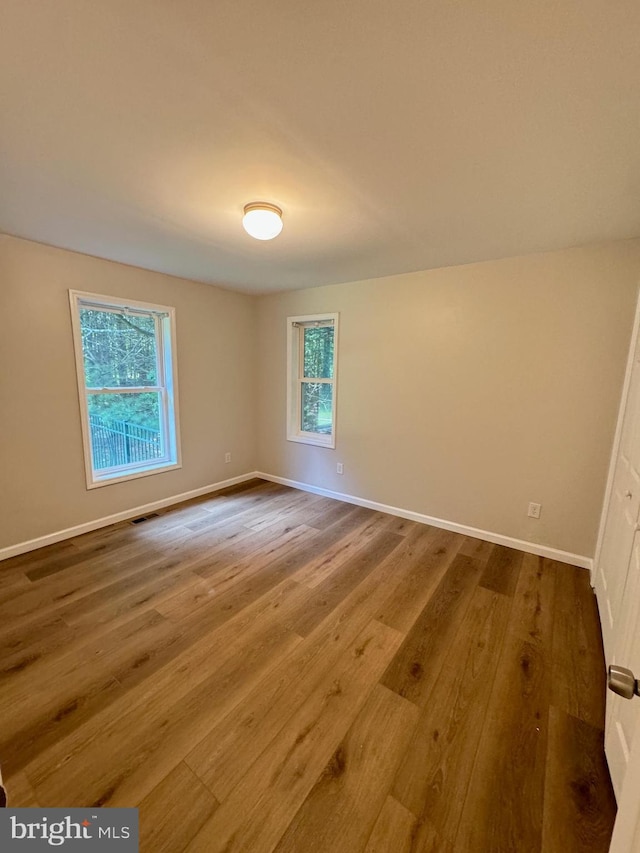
{"x":340,"y":468}
{"x":534,"y":510}
{"x":227,"y":457}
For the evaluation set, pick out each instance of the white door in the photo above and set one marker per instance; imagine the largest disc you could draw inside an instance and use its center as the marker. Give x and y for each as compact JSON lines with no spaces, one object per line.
{"x":612,"y":562}
{"x":626,"y":833}
{"x":623,"y":715}
{"x":617,"y":583}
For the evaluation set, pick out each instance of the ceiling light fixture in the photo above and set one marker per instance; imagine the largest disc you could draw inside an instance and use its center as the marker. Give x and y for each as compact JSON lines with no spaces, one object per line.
{"x":262,"y":220}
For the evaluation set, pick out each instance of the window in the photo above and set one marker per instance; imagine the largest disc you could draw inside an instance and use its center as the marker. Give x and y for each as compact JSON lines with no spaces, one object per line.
{"x":312,"y":361}
{"x":127,"y":383}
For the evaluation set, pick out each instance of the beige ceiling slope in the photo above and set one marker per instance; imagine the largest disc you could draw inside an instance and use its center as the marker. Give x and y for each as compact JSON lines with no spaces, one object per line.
{"x":394,"y":136}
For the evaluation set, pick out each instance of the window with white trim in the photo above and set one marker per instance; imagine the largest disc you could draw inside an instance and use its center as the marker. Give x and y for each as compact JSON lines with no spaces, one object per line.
{"x":127,"y":384}
{"x":312,"y":342}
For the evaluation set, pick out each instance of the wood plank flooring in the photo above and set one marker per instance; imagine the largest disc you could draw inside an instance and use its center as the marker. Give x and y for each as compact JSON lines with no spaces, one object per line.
{"x":267,"y":671}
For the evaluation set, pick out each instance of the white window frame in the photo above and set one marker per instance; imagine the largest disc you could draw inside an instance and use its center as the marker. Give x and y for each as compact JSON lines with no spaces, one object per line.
{"x":167,"y":386}
{"x":295,"y":378}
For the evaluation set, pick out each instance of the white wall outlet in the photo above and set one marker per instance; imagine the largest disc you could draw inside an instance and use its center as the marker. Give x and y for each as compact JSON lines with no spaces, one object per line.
{"x":534,"y":510}
{"x":227,"y":457}
{"x":340,"y":468}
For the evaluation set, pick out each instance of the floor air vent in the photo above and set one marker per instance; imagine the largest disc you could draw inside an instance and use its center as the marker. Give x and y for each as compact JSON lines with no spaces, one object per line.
{"x":144,"y":518}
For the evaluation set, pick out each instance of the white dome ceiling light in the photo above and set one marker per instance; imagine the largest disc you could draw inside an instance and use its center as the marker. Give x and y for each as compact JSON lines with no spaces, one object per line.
{"x":262,"y":220}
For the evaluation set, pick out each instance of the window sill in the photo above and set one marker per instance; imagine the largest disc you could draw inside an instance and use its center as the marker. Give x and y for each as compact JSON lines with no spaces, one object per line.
{"x":317,"y":440}
{"x":121,"y":477}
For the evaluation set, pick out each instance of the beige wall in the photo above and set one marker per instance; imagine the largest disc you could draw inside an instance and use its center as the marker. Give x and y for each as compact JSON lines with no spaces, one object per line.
{"x":466,"y":392}
{"x":43,"y":486}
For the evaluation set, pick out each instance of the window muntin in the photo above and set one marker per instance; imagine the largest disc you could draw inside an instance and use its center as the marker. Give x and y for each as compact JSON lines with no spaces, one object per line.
{"x":312,"y":342}
{"x":127,"y":384}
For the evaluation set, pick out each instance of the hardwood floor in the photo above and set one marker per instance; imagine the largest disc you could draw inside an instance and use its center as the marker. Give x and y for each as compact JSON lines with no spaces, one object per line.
{"x":267,"y":670}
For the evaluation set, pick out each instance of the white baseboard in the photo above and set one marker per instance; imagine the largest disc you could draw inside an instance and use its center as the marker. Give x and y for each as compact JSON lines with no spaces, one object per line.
{"x":487,"y":535}
{"x":88,"y":526}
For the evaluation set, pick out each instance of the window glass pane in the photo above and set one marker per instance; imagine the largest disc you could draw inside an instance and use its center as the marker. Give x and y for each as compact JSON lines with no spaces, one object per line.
{"x":125,"y":429}
{"x":318,"y":352}
{"x":317,"y":407}
{"x":119,"y":349}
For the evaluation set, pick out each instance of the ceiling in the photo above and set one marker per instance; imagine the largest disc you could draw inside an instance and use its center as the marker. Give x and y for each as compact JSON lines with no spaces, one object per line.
{"x":395,"y":136}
